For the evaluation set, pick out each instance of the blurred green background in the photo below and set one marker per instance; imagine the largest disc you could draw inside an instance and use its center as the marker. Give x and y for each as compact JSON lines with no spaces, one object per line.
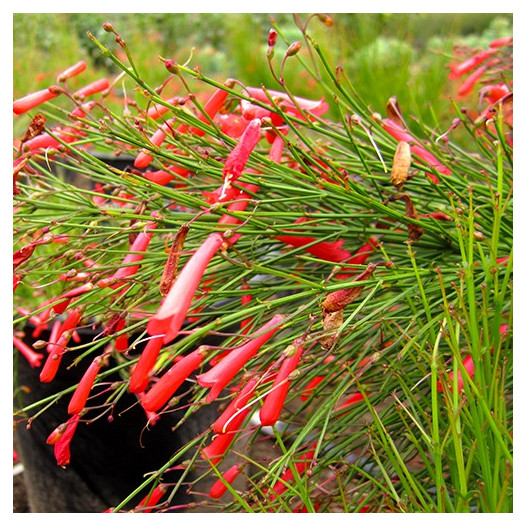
{"x":383,"y":54}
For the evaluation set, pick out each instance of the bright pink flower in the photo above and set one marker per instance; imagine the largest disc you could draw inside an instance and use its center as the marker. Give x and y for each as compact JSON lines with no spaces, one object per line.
{"x":457,"y":70}
{"x":91,"y":89}
{"x":16,"y":281}
{"x":218,"y":489}
{"x":269,"y":413}
{"x":34,"y":358}
{"x":80,"y":396}
{"x":316,"y":107}
{"x":151,"y":499}
{"x":33,"y":100}
{"x":142,"y":370}
{"x":170,"y":316}
{"x":220,"y":375}
{"x":469,"y":83}
{"x":61,"y":448}
{"x":469,"y":366}
{"x":77,"y":68}
{"x":238,"y":406}
{"x":168,"y":384}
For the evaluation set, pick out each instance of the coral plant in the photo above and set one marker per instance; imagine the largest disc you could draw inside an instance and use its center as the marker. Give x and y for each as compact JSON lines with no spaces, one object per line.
{"x":355,"y":273}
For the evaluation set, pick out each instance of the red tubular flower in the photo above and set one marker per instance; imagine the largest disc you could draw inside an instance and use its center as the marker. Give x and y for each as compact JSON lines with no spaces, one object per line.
{"x":91,"y":89}
{"x":328,"y":251}
{"x":211,"y":108}
{"x":469,"y":83}
{"x":243,"y":199}
{"x":168,"y":384}
{"x":61,"y":449}
{"x":316,"y":107}
{"x":145,"y":157}
{"x":360,"y":257}
{"x":69,"y":295}
{"x":237,"y":407}
{"x":34,"y":358}
{"x":218,"y":489}
{"x":221,"y":374}
{"x":231,"y":124}
{"x":141,"y":373}
{"x":121,"y":341}
{"x":300,"y":467}
{"x":77,"y":68}
{"x":311,"y":386}
{"x":215,"y":451}
{"x":457,"y":70}
{"x":83,"y":110}
{"x":80,"y":396}
{"x":350,"y":401}
{"x":126,"y":270}
{"x":170,"y":316}
{"x":160,"y":177}
{"x":238,"y":157}
{"x":469,"y":366}
{"x":22,"y":254}
{"x":54,"y":358}
{"x":33,"y":100}
{"x":156,"y":111}
{"x":269,"y":413}
{"x":151,"y":499}
{"x":499,"y":42}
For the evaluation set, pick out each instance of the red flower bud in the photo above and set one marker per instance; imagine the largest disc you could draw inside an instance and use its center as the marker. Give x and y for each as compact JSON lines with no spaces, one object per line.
{"x":34,"y":358}
{"x":32,"y":101}
{"x":77,"y":68}
{"x":91,"y":89}
{"x":151,"y":499}
{"x":141,"y":373}
{"x":218,"y":488}
{"x":238,"y":406}
{"x":269,"y":413}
